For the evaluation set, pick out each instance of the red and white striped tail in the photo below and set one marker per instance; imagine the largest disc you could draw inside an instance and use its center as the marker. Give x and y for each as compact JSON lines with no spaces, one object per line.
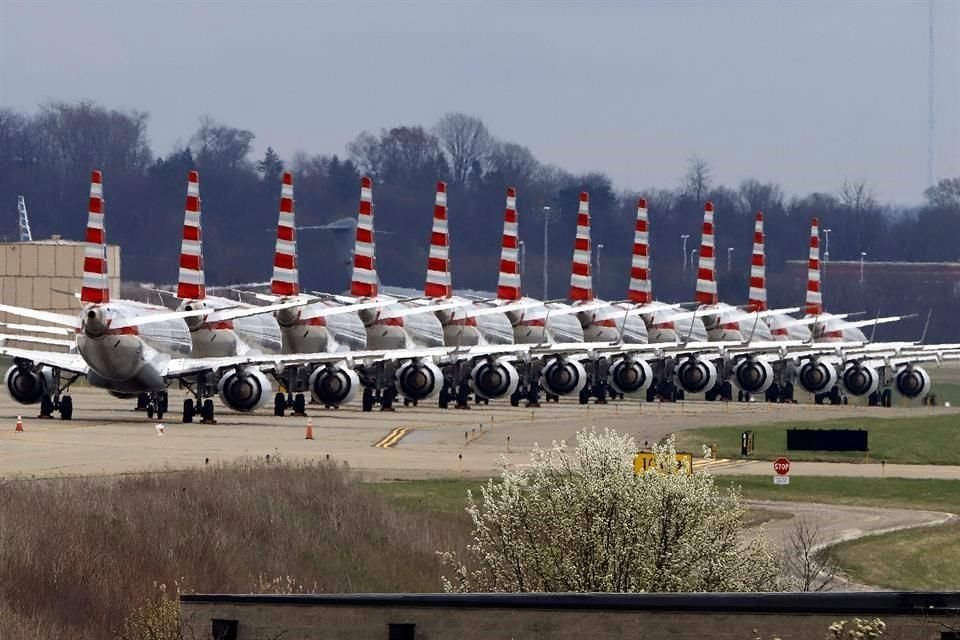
{"x":757,"y":300}
{"x":96,"y":286}
{"x":706,"y":272}
{"x":508,"y":286}
{"x":640,"y":289}
{"x":814,"y":295}
{"x":438,"y":262}
{"x":364,"y":283}
{"x":191,"y":284}
{"x":286,"y":281}
{"x":581,"y":284}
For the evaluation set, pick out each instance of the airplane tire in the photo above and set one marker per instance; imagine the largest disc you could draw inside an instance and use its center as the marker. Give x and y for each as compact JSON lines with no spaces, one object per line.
{"x":46,"y":406}
{"x":584,"y":396}
{"x":279,"y":405}
{"x":188,"y":411}
{"x":66,"y":408}
{"x":367,"y":400}
{"x":886,"y":398}
{"x":299,"y":404}
{"x":515,"y":399}
{"x":143,"y":399}
{"x":207,"y":411}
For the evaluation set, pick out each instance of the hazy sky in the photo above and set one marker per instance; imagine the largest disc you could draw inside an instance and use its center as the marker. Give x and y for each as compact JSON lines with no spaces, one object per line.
{"x":801,"y":93}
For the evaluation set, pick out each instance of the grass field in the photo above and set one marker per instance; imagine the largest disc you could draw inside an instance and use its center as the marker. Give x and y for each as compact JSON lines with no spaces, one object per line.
{"x":918,"y":559}
{"x":922,"y":440}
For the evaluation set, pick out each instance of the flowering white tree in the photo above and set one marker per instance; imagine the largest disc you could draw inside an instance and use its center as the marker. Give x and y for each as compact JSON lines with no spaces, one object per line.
{"x":580,"y":520}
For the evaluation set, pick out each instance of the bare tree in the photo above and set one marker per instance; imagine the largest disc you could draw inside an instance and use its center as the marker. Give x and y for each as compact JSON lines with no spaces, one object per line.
{"x":514,"y":162}
{"x":465,"y":140}
{"x":759,"y":196}
{"x":696,"y":182}
{"x":218,"y":146}
{"x":806,"y":558}
{"x":945,"y":193}
{"x":857,"y":195}
{"x":365,"y":152}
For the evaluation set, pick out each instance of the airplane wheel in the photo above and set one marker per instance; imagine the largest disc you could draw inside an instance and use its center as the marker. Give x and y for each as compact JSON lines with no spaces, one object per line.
{"x":143,"y":399}
{"x":711,"y":395}
{"x":553,"y":398}
{"x":444,"y":401}
{"x":163,"y":403}
{"x":279,"y":405}
{"x":406,"y":402}
{"x":207,"y":411}
{"x":66,"y":408}
{"x":773,"y":393}
{"x":873,"y":400}
{"x":678,"y":395}
{"x":150,"y":410}
{"x":726,"y":391}
{"x":188,"y":410}
{"x":584,"y":396}
{"x":886,"y":398}
{"x":367,"y":400}
{"x":515,"y":399}
{"x":787,"y":394}
{"x":299,"y":404}
{"x":46,"y":406}
{"x":835,"y":396}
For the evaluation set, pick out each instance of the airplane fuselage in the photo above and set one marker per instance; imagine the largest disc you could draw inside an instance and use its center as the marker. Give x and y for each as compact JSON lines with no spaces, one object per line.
{"x":305,"y":330}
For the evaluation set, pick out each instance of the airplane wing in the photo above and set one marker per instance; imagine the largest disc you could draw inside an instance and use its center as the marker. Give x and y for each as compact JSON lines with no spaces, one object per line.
{"x":60,"y":319}
{"x":37,"y":328}
{"x":74,"y":322}
{"x":66,"y":361}
{"x":870,"y":323}
{"x":221,"y":315}
{"x":54,"y":342}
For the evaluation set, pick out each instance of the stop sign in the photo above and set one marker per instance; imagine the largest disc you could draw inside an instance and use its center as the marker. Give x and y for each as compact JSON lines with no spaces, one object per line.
{"x":781,"y":466}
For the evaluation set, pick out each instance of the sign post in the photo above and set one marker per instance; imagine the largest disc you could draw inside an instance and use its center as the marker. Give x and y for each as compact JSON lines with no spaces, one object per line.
{"x":782,"y":466}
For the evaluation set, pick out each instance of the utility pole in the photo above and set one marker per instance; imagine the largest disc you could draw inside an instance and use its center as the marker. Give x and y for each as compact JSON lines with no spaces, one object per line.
{"x":683,"y":239}
{"x":930,"y":82}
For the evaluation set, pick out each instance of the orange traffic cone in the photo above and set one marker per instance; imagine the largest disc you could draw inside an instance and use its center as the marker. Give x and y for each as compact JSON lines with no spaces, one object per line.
{"x":19,"y":428}
{"x":309,"y":435}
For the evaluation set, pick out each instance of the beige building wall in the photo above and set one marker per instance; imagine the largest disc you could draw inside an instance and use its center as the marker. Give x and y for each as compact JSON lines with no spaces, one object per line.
{"x":45,"y":275}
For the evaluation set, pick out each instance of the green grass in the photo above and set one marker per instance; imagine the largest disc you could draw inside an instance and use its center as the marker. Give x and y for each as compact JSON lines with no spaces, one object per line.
{"x":947,"y":392}
{"x":428,"y":496}
{"x":921,"y":440}
{"x":935,"y":495}
{"x":916,"y":559}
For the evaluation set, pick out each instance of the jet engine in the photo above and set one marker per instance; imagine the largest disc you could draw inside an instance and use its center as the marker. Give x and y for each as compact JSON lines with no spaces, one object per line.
{"x":696,"y":376}
{"x":817,"y":376}
{"x":419,"y":380}
{"x":753,"y":375}
{"x":859,"y":379}
{"x":563,"y":377}
{"x":244,"y":390}
{"x":912,"y":382}
{"x":27,"y":386}
{"x":630,"y":376}
{"x":334,"y":385}
{"x":493,"y":379}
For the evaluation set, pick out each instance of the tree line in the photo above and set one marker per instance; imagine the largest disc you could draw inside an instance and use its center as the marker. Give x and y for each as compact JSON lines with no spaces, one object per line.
{"x":47,"y":155}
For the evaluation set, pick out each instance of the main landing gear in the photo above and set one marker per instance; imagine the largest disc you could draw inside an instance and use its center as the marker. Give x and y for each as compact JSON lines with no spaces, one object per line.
{"x":384,"y":398}
{"x":283,"y":401}
{"x":201,"y":404}
{"x":57,"y":401}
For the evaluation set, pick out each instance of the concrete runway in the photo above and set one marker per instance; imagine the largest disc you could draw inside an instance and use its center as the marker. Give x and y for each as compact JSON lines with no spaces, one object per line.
{"x":106,"y":436}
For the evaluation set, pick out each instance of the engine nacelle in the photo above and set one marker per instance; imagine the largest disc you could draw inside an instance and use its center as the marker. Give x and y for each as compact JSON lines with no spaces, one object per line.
{"x":859,"y":379}
{"x":912,"y":382}
{"x":563,"y":377}
{"x":816,"y":376}
{"x":697,"y":376}
{"x":419,"y":380}
{"x":753,"y":375}
{"x":334,"y":385}
{"x":494,"y":379}
{"x":27,"y":386}
{"x":244,"y":390}
{"x":630,"y":376}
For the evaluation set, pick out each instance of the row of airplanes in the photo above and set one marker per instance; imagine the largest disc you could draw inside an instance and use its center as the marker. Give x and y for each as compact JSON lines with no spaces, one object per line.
{"x":444,"y":347}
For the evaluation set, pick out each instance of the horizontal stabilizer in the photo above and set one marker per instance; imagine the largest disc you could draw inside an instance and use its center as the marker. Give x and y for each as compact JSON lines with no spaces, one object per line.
{"x":36,"y":328}
{"x":61,"y":319}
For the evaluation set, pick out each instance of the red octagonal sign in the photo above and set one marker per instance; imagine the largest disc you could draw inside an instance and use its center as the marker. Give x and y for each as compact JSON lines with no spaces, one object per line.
{"x":781,"y":466}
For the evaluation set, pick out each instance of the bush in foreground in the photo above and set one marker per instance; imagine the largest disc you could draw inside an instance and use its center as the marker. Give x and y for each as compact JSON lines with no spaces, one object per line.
{"x":580,"y":520}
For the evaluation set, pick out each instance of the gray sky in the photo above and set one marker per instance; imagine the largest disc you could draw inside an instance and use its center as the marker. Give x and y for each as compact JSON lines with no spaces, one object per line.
{"x":801,"y":93}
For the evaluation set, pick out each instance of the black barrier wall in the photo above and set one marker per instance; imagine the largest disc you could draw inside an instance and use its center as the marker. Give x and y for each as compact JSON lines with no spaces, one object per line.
{"x":827,"y":440}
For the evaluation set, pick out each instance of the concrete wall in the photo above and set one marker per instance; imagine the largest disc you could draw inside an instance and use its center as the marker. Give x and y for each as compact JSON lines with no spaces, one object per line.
{"x":32,"y":272}
{"x":304,"y":621}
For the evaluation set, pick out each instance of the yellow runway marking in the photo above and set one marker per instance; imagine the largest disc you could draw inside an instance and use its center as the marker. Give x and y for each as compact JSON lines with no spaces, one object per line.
{"x":392,"y":438}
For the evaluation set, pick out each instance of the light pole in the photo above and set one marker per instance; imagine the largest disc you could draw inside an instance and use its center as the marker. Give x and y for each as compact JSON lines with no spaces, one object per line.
{"x":599,"y":251}
{"x":863,"y":254}
{"x":546,"y":248}
{"x":523,"y":259}
{"x":683,"y":238}
{"x":826,"y":249}
{"x":692,"y":253}
{"x":729,"y":253}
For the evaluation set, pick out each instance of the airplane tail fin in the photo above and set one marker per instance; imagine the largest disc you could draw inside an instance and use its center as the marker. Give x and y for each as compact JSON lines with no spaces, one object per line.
{"x":286,"y":279}
{"x":96,"y":286}
{"x":508,"y":286}
{"x":438,"y":263}
{"x":706,"y":271}
{"x":640,"y":289}
{"x":191,"y":283}
{"x":364,"y":283}
{"x":581,"y":283}
{"x":814,"y":306}
{"x":757,"y":300}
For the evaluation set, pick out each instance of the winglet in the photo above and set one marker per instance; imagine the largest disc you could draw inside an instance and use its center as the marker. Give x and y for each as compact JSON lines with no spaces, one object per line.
{"x":640,"y":289}
{"x":581,"y":283}
{"x":706,"y":272}
{"x":814,"y":295}
{"x":364,"y":283}
{"x":757,"y":300}
{"x":508,"y":286}
{"x":96,"y":286}
{"x":438,"y":262}
{"x":191,"y":283}
{"x":286,"y":279}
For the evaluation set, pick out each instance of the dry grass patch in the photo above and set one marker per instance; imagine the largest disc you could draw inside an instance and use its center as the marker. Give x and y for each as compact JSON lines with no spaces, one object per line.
{"x":79,"y":555}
